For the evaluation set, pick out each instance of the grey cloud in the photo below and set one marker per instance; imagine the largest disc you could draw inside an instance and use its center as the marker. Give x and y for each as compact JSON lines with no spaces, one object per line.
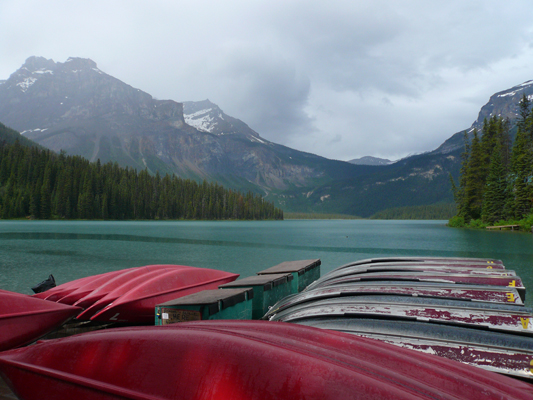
{"x":342,"y":79}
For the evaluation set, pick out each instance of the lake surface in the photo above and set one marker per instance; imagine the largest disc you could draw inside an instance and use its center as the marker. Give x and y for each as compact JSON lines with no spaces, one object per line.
{"x":31,"y":250}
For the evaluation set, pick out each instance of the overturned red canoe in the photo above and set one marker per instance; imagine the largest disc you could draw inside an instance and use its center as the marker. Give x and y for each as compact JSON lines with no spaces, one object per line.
{"x":24,"y":319}
{"x":241,"y":360}
{"x":137,"y":304}
{"x":65,"y":289}
{"x":124,"y":278}
{"x":130,"y":295}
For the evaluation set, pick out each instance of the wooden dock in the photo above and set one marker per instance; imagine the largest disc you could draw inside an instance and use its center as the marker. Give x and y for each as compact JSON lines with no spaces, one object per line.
{"x":500,"y":227}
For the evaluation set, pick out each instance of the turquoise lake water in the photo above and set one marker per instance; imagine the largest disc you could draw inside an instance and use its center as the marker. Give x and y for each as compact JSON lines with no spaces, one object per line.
{"x":31,"y":250}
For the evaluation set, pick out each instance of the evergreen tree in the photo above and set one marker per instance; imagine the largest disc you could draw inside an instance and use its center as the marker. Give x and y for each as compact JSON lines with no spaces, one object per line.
{"x":40,"y":184}
{"x":474,"y":185}
{"x":494,"y":195}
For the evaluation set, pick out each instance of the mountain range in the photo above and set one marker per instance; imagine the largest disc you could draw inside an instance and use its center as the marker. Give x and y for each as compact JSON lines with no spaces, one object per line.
{"x":76,"y":107}
{"x":369,"y":160}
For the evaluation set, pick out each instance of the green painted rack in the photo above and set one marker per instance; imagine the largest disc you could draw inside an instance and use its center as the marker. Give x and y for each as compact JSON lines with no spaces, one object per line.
{"x":205,"y":305}
{"x":268,"y":289}
{"x":304,"y":272}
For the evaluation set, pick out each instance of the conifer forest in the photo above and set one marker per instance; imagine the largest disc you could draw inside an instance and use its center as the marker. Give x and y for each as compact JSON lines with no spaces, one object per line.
{"x":495,"y":183}
{"x":37,"y":183}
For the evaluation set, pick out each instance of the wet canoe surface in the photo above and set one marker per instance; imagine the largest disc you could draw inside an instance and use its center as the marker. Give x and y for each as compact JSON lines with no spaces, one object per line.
{"x":495,"y":268}
{"x":454,"y":278}
{"x":467,"y":310}
{"x":137,"y":305}
{"x":486,"y":262}
{"x":118,"y":281}
{"x":130,"y":295}
{"x":475,"y":293}
{"x":498,"y":317}
{"x":422,"y":267}
{"x":494,"y":351}
{"x":241,"y":360}
{"x":95,"y":285}
{"x":24,"y":319}
{"x":396,"y":271}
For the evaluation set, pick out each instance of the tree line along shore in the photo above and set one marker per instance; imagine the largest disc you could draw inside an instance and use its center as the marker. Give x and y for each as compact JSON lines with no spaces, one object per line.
{"x":36,"y":183}
{"x":496,"y":180}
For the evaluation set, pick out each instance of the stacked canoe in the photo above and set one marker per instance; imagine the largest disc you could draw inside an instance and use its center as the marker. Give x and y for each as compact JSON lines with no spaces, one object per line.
{"x":126,"y":296}
{"x":130,"y":295}
{"x":468,"y":310}
{"x":241,"y":360}
{"x":24,"y":319}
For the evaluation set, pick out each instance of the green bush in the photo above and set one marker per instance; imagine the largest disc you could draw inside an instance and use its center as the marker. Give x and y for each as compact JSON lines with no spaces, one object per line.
{"x":477,"y":224}
{"x":526,"y":223}
{"x":456,"y":222}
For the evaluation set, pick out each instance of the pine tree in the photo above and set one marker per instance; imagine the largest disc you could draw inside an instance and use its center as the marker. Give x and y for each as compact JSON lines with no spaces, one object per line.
{"x":473,"y":192}
{"x":494,"y":194}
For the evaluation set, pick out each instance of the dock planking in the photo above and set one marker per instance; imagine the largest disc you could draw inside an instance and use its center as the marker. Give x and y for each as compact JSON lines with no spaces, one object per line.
{"x":500,"y":227}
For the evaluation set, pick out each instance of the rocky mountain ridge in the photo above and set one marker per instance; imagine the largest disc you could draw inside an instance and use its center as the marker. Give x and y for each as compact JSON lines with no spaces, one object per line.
{"x":503,"y":103}
{"x":369,"y":160}
{"x":76,"y":107}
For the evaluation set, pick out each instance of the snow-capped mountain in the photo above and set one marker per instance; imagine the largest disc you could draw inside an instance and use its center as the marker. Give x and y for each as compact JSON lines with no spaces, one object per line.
{"x":503,"y":104}
{"x":79,"y":108}
{"x":76,"y":107}
{"x":208,"y":117}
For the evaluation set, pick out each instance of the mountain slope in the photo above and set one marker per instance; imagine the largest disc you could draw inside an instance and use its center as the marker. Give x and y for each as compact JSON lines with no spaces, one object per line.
{"x":504,"y":104}
{"x":76,"y":107}
{"x":369,"y":160}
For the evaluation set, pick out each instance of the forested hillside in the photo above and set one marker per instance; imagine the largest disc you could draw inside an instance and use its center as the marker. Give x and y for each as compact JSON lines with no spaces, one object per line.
{"x":10,"y":136}
{"x":496,"y":181}
{"x":37,"y":183}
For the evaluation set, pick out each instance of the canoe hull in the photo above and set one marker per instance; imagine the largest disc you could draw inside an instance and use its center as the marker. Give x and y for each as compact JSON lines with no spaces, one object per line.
{"x":497,"y":352}
{"x":240,"y":360}
{"x":132,"y":310}
{"x":24,"y":319}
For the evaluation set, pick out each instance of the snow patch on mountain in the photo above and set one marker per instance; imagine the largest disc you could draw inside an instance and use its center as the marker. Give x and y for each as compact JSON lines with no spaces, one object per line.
{"x":33,"y":130}
{"x":43,"y":71}
{"x":26,"y":83}
{"x":201,"y":120}
{"x":256,"y":139}
{"x":514,"y":90}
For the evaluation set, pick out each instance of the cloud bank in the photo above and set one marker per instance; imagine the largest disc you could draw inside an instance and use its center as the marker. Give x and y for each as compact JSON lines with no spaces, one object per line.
{"x":342,"y":79}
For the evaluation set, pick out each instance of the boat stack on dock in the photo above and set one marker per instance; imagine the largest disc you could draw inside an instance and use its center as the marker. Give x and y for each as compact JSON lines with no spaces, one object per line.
{"x":467,"y":310}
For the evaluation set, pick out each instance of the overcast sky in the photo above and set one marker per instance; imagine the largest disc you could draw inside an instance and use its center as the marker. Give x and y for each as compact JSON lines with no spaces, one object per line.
{"x":342,"y":79}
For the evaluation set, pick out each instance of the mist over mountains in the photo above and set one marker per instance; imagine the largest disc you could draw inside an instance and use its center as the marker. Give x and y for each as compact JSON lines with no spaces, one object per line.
{"x":76,"y":107}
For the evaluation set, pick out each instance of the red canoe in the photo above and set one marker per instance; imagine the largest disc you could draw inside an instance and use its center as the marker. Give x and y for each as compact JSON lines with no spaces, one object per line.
{"x":137,"y":305}
{"x":239,"y":360}
{"x":111,"y":284}
{"x":65,"y":289}
{"x":130,"y":295}
{"x":24,"y":319}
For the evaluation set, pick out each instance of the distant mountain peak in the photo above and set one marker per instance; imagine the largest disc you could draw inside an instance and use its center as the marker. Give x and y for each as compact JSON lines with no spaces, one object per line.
{"x":35,"y":63}
{"x":78,"y":62}
{"x":206,"y":116}
{"x":369,"y":160}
